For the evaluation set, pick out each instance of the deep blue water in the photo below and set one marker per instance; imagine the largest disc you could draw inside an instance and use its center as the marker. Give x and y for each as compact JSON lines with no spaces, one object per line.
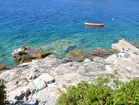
{"x":47,"y":23}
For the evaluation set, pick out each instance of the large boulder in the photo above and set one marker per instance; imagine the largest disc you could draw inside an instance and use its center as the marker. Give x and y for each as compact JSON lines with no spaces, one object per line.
{"x":2,"y":67}
{"x":103,"y":52}
{"x":27,"y":54}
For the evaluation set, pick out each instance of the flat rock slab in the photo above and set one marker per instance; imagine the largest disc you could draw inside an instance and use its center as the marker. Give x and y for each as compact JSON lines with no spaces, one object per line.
{"x":124,"y":46}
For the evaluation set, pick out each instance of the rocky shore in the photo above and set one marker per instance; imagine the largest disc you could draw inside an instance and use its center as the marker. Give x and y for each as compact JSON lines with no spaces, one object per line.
{"x":42,"y":81}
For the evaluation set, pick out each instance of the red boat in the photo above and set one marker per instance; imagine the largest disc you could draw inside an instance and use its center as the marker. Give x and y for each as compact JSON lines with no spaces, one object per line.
{"x":93,"y":24}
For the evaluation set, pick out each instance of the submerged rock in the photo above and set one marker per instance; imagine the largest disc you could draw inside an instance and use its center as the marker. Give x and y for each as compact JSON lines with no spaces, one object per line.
{"x":27,"y":54}
{"x":69,"y":48}
{"x":63,"y":46}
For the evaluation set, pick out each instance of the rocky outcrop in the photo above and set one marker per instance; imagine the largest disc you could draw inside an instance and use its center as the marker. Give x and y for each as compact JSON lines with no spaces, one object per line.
{"x":42,"y":81}
{"x":2,"y":67}
{"x":27,"y":54}
{"x":103,"y":52}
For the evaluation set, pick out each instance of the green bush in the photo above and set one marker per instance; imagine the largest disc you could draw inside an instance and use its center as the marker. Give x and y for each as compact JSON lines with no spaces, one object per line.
{"x":101,"y":94}
{"x":128,"y":94}
{"x":86,"y":94}
{"x":2,"y":93}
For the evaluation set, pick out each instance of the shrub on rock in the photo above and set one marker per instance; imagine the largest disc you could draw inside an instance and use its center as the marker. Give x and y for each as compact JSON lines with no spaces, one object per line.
{"x":101,"y":94}
{"x":128,"y":94}
{"x":86,"y":94}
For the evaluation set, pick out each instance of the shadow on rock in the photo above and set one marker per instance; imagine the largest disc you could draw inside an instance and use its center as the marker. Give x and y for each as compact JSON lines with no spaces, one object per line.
{"x":22,"y":103}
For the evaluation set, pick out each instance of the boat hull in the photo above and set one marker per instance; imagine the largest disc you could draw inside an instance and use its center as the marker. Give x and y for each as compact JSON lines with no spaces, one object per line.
{"x":93,"y":24}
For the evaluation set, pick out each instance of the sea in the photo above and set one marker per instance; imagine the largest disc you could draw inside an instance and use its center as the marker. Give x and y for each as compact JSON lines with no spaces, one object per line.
{"x":58,"y":25}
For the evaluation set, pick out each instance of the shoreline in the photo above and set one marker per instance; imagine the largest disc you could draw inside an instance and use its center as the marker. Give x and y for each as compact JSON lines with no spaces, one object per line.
{"x":69,"y":48}
{"x":81,"y":54}
{"x":44,"y":80}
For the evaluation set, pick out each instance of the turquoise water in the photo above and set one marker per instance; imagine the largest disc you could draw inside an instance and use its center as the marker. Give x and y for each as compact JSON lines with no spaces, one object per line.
{"x":47,"y":23}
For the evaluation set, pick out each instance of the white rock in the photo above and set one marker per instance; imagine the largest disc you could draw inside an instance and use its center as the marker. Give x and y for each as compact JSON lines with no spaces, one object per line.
{"x":8,"y":75}
{"x":47,"y":95}
{"x":11,"y":95}
{"x":98,"y":59}
{"x":37,"y":75}
{"x":40,"y":82}
{"x":123,"y":55}
{"x":31,"y":76}
{"x":111,"y":58}
{"x":87,"y":61}
{"x":108,"y":69}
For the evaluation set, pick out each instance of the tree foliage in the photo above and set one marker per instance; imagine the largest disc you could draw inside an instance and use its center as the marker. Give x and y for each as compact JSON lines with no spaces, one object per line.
{"x":3,"y":100}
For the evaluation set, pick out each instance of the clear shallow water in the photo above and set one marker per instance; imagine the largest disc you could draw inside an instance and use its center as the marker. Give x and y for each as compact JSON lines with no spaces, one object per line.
{"x":47,"y":23}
